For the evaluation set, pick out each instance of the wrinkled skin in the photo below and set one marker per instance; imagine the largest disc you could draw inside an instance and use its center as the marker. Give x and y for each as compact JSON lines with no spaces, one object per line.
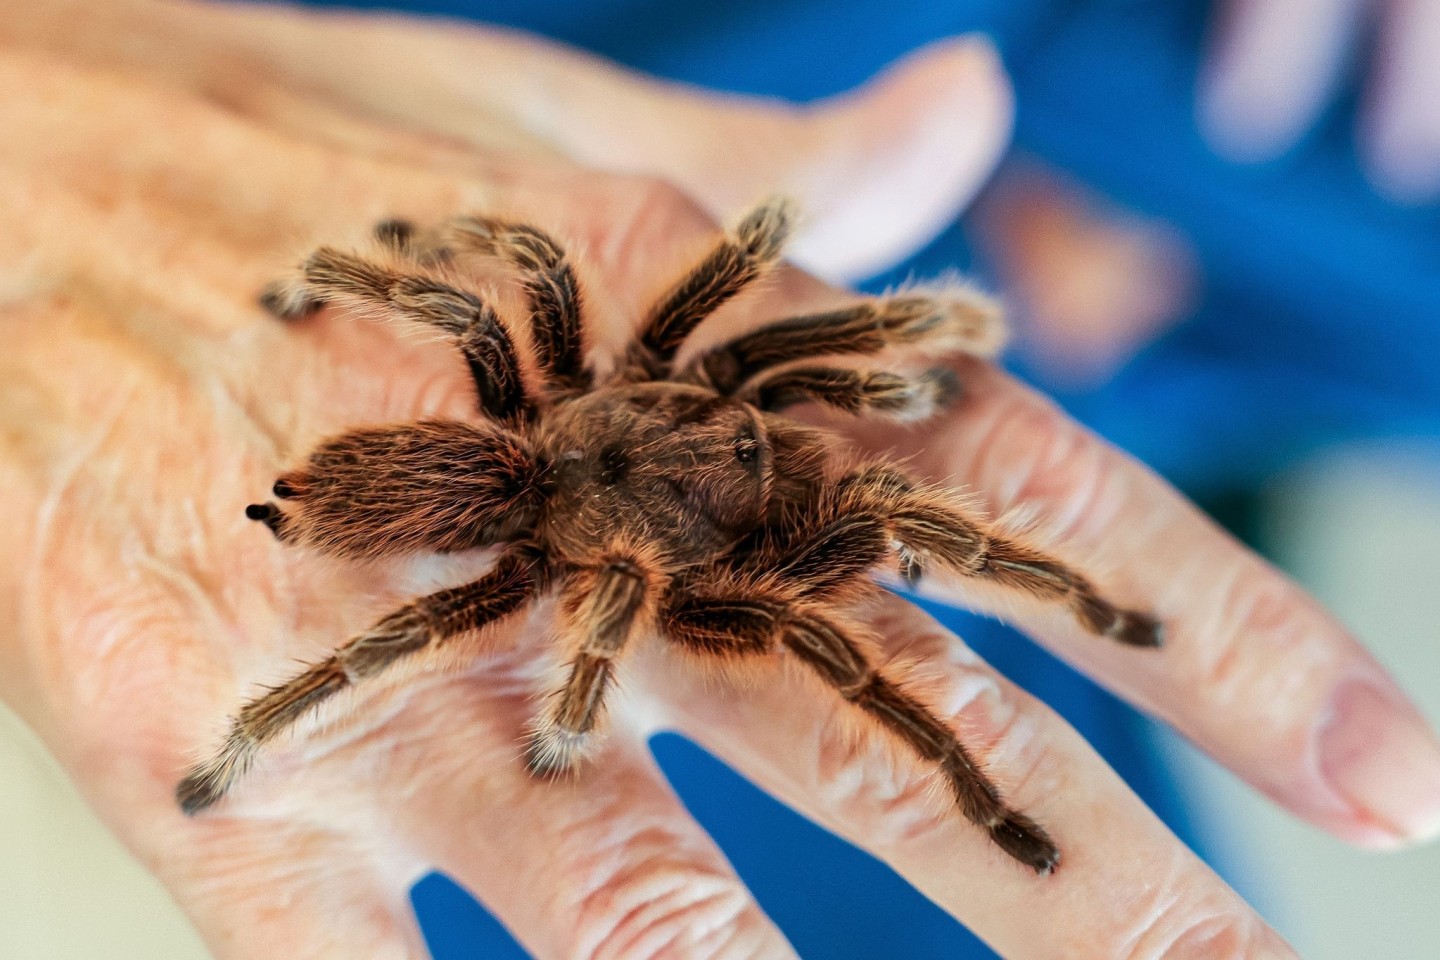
{"x":147,"y":399}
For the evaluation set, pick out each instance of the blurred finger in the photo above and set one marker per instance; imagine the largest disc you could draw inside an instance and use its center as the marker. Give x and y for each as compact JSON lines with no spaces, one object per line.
{"x":1401,"y":129}
{"x":1272,"y":65}
{"x":1124,"y":887}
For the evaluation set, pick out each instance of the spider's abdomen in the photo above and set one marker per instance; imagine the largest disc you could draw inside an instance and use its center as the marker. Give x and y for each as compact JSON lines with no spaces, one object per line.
{"x":675,"y":466}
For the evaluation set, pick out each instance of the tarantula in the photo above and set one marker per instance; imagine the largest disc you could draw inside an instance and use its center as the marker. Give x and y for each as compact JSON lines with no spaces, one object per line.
{"x":653,"y":499}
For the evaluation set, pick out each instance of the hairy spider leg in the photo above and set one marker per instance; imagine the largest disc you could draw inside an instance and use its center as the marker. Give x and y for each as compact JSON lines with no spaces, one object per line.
{"x":291,"y":297}
{"x":879,"y":393}
{"x":933,"y":532}
{"x":348,"y":278}
{"x":607,"y":607}
{"x":753,"y":623}
{"x":423,"y":624}
{"x":739,"y":258}
{"x":958,"y":321}
{"x":557,"y":325}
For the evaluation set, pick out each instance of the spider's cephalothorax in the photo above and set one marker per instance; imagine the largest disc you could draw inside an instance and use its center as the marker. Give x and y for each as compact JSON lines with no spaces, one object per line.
{"x":679,"y":503}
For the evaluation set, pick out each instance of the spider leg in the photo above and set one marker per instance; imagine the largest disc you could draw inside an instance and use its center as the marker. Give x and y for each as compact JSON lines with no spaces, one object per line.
{"x":439,"y":485}
{"x":753,"y":623}
{"x":931,"y":530}
{"x":607,"y":608}
{"x":739,"y":258}
{"x":331,"y":276}
{"x":958,"y":321}
{"x":893,"y":396}
{"x":557,"y":323}
{"x":397,"y":235}
{"x":425,"y":623}
{"x":292,"y":298}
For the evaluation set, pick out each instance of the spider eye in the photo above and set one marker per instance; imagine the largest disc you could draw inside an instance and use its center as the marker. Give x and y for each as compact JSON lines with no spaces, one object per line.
{"x":613,"y":465}
{"x":747,"y":450}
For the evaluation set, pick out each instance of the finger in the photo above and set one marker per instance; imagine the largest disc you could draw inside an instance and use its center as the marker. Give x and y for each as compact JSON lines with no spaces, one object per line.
{"x":253,"y":59}
{"x":606,"y":864}
{"x":1271,"y":67}
{"x":1401,"y":129}
{"x":1124,"y":887}
{"x":265,"y":887}
{"x":1253,"y":670}
{"x":879,"y":170}
{"x":217,"y":220}
{"x":894,"y":162}
{"x":1093,"y":281}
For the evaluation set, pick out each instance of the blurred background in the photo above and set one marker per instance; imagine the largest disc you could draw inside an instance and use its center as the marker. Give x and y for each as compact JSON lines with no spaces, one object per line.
{"x":1240,"y":286}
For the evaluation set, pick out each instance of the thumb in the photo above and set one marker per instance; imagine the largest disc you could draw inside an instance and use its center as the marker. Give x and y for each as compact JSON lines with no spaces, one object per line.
{"x":879,"y":171}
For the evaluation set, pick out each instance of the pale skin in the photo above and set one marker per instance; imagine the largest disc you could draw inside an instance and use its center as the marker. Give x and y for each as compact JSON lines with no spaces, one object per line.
{"x":147,"y":399}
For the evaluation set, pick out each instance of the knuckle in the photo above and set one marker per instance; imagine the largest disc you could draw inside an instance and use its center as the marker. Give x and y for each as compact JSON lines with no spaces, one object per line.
{"x":1259,"y":621}
{"x":1177,"y":926}
{"x":657,"y":196}
{"x":870,"y":782}
{"x":1033,"y":458}
{"x":655,"y":902}
{"x":439,"y":395}
{"x":1026,"y":456}
{"x":1007,"y":733}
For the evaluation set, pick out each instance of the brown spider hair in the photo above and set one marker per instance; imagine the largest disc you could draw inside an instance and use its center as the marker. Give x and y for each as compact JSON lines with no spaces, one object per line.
{"x":665,"y":500}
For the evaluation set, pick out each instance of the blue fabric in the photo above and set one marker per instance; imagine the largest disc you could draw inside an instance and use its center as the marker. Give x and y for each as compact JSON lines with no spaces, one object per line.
{"x":1317,"y":324}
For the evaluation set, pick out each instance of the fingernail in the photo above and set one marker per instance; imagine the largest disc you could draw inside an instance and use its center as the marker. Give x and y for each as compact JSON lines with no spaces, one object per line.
{"x":1381,"y":756}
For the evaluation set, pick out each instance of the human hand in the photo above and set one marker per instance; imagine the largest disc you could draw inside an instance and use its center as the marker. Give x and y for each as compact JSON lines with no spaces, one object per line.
{"x":147,"y":400}
{"x":879,"y":171}
{"x":1274,"y":65}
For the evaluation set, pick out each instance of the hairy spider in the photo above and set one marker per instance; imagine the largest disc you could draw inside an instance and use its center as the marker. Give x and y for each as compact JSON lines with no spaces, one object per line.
{"x":654,"y":501}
